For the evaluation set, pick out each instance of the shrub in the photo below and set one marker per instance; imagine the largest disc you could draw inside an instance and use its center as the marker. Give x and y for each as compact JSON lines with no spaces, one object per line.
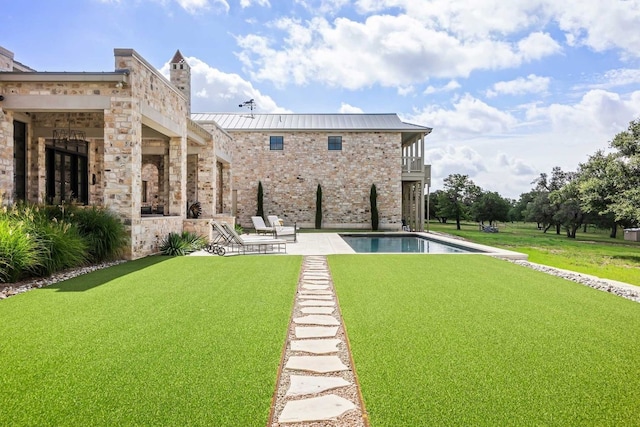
{"x":61,"y":246}
{"x":373,"y":199}
{"x":260,"y":211}
{"x":319,"y":207}
{"x":103,"y":231}
{"x":18,"y":250}
{"x":179,"y":244}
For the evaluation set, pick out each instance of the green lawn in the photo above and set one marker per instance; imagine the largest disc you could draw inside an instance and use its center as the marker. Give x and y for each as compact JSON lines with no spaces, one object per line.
{"x":593,"y":252}
{"x":470,"y":340}
{"x":154,"y":342}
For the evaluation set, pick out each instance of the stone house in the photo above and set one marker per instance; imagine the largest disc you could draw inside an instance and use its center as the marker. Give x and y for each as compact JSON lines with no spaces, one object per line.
{"x":290,"y":154}
{"x":127,"y":140}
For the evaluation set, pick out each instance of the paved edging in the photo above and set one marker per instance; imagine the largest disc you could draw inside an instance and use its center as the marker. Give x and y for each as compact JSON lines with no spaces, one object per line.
{"x":317,"y":385}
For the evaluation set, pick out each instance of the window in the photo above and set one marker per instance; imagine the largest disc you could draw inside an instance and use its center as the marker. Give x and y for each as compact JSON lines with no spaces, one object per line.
{"x":67,"y":172}
{"x":276,"y":143}
{"x":20,"y":160}
{"x":335,"y":143}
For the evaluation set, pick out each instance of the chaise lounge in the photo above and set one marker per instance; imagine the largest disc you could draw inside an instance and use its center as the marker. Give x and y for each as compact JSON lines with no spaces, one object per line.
{"x":241,"y":244}
{"x":260,"y":226}
{"x":281,"y":230}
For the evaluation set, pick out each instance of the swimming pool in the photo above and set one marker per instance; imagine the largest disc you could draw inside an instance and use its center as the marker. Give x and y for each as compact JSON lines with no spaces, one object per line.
{"x":372,"y":243}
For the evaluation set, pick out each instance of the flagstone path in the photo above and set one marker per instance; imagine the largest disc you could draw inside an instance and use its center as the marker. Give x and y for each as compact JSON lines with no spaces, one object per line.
{"x":317,"y":384}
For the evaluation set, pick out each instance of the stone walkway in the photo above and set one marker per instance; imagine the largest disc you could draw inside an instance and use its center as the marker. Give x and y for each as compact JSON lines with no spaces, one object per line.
{"x":317,"y":385}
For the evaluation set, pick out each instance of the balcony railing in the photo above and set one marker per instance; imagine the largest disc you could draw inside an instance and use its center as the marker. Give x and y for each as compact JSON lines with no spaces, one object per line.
{"x":412,"y":165}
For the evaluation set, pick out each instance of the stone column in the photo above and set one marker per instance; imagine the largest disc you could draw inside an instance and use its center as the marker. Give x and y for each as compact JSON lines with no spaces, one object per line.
{"x":123,"y":162}
{"x":6,"y":157}
{"x":178,"y":176}
{"x":207,"y":181}
{"x":37,"y":177}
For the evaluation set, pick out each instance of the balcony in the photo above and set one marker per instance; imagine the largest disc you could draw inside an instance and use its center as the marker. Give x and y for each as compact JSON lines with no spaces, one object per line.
{"x":412,"y":168}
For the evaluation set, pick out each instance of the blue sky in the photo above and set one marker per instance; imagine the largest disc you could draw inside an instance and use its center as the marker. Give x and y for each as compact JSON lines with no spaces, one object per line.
{"x":511,"y":88}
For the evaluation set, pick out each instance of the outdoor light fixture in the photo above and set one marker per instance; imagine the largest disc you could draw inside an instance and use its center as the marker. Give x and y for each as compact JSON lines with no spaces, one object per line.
{"x":66,"y":136}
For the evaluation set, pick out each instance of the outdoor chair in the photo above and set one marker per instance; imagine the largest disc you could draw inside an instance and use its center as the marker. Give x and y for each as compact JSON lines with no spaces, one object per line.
{"x":260,"y":244}
{"x":280,"y":230}
{"x":260,"y":226}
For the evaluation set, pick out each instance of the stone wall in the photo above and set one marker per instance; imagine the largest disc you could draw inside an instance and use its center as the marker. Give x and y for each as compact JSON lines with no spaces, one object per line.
{"x":290,"y":177}
{"x":148,"y":233}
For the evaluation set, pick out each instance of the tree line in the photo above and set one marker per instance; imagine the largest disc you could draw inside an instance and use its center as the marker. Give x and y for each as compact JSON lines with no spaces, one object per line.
{"x":604,"y":191}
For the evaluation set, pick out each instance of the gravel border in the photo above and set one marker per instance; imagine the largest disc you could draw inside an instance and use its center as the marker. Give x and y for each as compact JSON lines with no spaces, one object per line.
{"x":9,"y":289}
{"x":620,"y":289}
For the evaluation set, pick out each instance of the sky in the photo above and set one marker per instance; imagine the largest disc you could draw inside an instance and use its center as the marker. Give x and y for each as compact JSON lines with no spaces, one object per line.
{"x":510,"y":88}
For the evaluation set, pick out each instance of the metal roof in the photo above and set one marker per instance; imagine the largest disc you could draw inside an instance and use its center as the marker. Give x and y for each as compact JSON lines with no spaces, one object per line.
{"x":337,"y":122}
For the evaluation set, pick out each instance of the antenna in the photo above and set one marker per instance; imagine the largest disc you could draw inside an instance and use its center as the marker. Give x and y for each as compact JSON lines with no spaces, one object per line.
{"x":251,"y":104}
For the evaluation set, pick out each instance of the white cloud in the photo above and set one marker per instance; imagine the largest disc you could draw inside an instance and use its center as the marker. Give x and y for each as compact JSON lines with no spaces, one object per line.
{"x":468,"y":118}
{"x":520,"y":86}
{"x":598,"y":111}
{"x":195,"y":6}
{"x":392,"y":51}
{"x":247,"y":3}
{"x":600,"y":25}
{"x":515,"y":165}
{"x":349,"y":109}
{"x":615,"y":78}
{"x":450,"y":86}
{"x":452,"y":159}
{"x":323,"y":7}
{"x":216,"y":91}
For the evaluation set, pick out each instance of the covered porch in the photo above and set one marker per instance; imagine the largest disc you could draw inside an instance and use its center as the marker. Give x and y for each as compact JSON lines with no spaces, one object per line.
{"x":120,"y":139}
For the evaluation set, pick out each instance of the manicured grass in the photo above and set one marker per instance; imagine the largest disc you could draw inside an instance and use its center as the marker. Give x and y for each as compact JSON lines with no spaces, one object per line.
{"x":592,"y":253}
{"x":154,"y":342}
{"x":470,"y":340}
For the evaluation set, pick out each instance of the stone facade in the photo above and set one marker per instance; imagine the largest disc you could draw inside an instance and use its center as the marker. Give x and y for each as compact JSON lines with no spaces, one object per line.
{"x":290,"y":177}
{"x":138,"y":128}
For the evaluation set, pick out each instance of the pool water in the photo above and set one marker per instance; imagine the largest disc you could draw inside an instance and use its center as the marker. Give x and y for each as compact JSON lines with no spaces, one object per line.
{"x":400,"y":244}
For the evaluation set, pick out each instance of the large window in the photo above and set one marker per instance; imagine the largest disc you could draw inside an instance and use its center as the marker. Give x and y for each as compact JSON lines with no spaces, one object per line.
{"x":276,"y":143}
{"x":335,"y":143}
{"x":20,"y":160}
{"x":67,"y":173}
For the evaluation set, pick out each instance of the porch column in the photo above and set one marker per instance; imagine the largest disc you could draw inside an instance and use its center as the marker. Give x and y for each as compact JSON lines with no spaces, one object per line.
{"x":207,"y":181}
{"x":36,"y":181}
{"x":6,"y":157}
{"x":178,"y":176}
{"x":123,"y":164}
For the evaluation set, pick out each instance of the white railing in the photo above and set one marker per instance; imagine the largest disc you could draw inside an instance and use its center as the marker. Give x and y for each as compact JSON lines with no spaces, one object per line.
{"x":412,"y":164}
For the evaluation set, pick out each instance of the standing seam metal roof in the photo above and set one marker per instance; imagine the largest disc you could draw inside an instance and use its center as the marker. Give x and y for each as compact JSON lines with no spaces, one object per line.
{"x":352,"y":122}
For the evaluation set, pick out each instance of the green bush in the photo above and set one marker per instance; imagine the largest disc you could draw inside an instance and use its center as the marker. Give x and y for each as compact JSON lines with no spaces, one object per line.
{"x":102,"y":230}
{"x":319,"y":207}
{"x":373,"y":199}
{"x":18,"y":250}
{"x":176,"y":244}
{"x":60,"y":246}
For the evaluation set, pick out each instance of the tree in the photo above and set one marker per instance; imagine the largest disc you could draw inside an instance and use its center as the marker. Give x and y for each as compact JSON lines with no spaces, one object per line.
{"x":609,"y":184}
{"x":568,"y":212}
{"x":373,"y":199}
{"x":519,"y":207}
{"x":544,"y":208}
{"x":597,"y":185}
{"x":459,"y":194}
{"x":319,"y":207}
{"x":490,"y":206}
{"x":260,"y":211}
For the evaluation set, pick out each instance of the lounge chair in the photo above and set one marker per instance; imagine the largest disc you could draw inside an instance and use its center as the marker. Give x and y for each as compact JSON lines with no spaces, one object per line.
{"x":281,"y":230}
{"x":260,"y":226}
{"x":253,"y":244}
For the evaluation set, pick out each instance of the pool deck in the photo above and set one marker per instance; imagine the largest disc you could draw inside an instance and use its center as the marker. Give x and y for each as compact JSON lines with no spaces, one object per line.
{"x":332,"y":243}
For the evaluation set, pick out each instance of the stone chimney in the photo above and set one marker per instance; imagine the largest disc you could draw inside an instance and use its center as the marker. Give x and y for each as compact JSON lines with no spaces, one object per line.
{"x":180,"y":76}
